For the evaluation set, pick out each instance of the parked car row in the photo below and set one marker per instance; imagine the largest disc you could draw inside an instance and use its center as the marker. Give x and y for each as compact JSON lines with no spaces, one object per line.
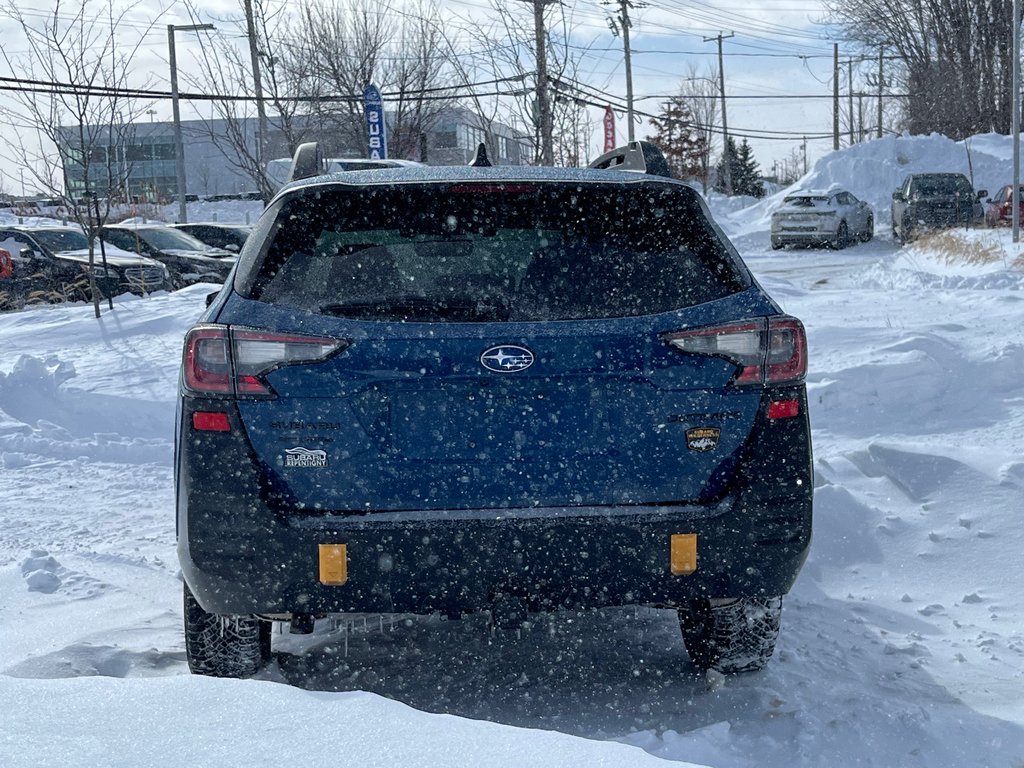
{"x":44,"y":264}
{"x":49,"y":264}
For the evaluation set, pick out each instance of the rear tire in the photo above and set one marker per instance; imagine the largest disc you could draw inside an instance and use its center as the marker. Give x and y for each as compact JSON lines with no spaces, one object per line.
{"x":842,"y":237}
{"x":734,"y":636}
{"x":224,"y":646}
{"x":869,"y":230}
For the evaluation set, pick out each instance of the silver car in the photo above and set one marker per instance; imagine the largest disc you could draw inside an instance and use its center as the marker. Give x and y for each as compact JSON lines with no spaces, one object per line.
{"x":833,"y":218}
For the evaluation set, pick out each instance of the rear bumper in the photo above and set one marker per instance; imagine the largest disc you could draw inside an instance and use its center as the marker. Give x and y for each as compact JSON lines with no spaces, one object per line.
{"x":803,"y":238}
{"x":461,"y":564}
{"x":242,"y":551}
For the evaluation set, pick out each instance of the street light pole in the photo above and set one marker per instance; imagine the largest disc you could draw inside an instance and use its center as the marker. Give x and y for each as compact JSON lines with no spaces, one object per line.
{"x":1015,"y":124}
{"x":179,"y":148}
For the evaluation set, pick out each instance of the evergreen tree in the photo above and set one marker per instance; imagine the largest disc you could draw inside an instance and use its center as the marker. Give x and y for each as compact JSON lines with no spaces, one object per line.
{"x":743,"y":170}
{"x":678,"y":140}
{"x":746,"y":176}
{"x":728,"y":151}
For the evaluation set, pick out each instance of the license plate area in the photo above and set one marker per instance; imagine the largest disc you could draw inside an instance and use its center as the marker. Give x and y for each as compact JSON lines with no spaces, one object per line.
{"x":486,"y":423}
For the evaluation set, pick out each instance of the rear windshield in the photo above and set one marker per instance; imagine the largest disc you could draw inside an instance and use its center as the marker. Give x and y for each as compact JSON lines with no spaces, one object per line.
{"x":168,"y":239}
{"x":807,"y":201}
{"x":941,"y":185}
{"x":58,"y":240}
{"x":482,"y":253}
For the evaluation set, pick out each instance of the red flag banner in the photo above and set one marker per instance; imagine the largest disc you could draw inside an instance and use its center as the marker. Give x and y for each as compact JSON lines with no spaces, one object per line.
{"x":609,"y":129}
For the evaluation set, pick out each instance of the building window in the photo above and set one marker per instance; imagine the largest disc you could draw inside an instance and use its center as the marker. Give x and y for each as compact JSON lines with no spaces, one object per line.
{"x":446,"y":139}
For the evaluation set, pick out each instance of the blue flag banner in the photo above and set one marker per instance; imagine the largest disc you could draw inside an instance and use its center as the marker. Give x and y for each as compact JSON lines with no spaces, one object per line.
{"x":374,"y":108}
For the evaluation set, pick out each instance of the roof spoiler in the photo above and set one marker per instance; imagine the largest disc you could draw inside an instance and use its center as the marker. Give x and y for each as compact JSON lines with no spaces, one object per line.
{"x":307,"y":162}
{"x":636,"y":156}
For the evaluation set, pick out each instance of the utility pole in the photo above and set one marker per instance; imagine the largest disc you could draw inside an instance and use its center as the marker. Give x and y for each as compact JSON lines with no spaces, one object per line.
{"x":545,"y":123}
{"x":1015,"y":123}
{"x":624,"y":5}
{"x":849,"y":95}
{"x":726,"y":158}
{"x":804,"y":148}
{"x":860,"y":117}
{"x":835,"y":96}
{"x":669,"y":121}
{"x":881,"y":84}
{"x":257,"y":81}
{"x":179,"y":149}
{"x":622,"y":22}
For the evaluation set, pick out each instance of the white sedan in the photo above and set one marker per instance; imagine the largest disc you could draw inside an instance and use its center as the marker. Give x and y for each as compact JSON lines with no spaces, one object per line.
{"x":833,"y":218}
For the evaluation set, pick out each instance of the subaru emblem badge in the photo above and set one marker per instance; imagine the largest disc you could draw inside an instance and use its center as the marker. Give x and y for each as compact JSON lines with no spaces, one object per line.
{"x":506,"y":358}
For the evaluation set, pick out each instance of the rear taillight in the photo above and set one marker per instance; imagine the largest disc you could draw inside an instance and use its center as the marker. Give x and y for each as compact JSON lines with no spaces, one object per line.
{"x":767,"y":352}
{"x":219,"y":360}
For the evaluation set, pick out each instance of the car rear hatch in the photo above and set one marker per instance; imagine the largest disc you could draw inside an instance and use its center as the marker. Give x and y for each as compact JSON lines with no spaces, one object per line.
{"x":495,"y":367}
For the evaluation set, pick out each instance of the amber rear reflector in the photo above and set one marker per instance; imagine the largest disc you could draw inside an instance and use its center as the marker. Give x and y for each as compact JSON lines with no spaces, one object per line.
{"x":683,"y":555}
{"x":333,"y":564}
{"x":210,"y":421}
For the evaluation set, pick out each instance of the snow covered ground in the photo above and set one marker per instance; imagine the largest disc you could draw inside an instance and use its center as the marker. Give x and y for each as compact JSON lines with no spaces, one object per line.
{"x":902,"y":642}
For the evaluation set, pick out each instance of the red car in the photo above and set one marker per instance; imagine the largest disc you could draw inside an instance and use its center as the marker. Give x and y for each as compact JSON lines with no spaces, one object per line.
{"x":999,"y":209}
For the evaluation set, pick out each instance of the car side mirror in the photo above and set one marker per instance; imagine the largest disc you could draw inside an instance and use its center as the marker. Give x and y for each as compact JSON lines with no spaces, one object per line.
{"x":983,"y":193}
{"x":27,"y":253}
{"x":897,"y":195}
{"x":212,"y":297}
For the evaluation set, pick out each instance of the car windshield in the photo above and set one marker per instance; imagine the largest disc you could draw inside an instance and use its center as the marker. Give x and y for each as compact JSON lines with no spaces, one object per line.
{"x":59,"y":240}
{"x":941,"y":185}
{"x":481,"y":253}
{"x":168,"y":239}
{"x":807,"y":201}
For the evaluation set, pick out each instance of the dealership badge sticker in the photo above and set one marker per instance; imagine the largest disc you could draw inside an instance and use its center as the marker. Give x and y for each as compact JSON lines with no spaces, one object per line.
{"x":703,"y":438}
{"x":305,"y":458}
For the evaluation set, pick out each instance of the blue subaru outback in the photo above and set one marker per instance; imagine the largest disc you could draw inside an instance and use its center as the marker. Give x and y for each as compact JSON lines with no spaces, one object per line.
{"x":468,"y":388}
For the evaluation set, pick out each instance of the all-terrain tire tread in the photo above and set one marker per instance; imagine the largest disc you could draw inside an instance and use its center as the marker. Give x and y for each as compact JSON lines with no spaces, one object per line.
{"x":735,"y":637}
{"x":224,"y":646}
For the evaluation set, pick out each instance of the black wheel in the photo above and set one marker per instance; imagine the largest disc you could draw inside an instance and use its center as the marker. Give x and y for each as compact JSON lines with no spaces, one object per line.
{"x":842,"y":237}
{"x":224,"y":646}
{"x":869,"y":230}
{"x":731,"y":636}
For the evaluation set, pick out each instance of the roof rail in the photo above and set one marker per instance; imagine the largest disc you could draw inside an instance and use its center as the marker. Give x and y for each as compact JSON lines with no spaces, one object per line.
{"x":308,"y":161}
{"x":636,"y":156}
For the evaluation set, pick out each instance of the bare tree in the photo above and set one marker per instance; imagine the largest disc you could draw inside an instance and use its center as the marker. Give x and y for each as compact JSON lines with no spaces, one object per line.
{"x":952,"y":58}
{"x":505,"y":49}
{"x":73,"y":129}
{"x":698,"y":94}
{"x":226,"y":69}
{"x":352,"y":43}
